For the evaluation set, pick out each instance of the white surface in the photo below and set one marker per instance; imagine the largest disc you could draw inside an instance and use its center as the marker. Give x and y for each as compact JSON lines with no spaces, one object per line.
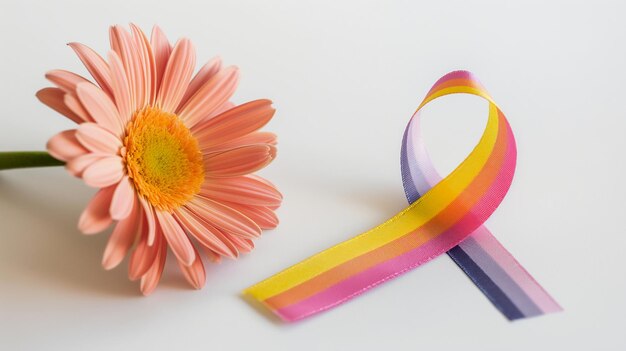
{"x":345,"y":78}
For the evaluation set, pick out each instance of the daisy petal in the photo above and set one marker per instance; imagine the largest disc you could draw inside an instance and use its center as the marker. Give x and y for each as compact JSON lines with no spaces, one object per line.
{"x":152,"y":227}
{"x":194,"y":273}
{"x":243,"y":190}
{"x":215,"y":92}
{"x":120,"y":86}
{"x":268,"y":183}
{"x":225,"y":107}
{"x":261,"y":215}
{"x":204,"y":74}
{"x":65,"y":80}
{"x":98,"y":139}
{"x":77,"y":165}
{"x":176,"y":238}
{"x":123,"y":200}
{"x":177,"y":75}
{"x":144,"y":255}
{"x":64,"y":146}
{"x":213,"y":257}
{"x":224,"y":217}
{"x":205,"y":233}
{"x":263,"y":180}
{"x":124,"y":45}
{"x":104,"y":172}
{"x":95,"y":65}
{"x":243,"y":245}
{"x":121,"y":239}
{"x":100,"y":107}
{"x":75,"y":106}
{"x":234,"y":123}
{"x":54,"y":98}
{"x":252,"y":138}
{"x":150,"y":280}
{"x":148,"y":65}
{"x":238,"y":161}
{"x":161,"y":50}
{"x":95,"y":218}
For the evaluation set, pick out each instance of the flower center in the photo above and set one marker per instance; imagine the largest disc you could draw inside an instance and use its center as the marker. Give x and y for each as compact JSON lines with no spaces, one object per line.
{"x":162,"y":158}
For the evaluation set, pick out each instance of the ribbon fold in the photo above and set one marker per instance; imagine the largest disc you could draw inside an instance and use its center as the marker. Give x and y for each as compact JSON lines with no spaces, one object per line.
{"x":444,"y":215}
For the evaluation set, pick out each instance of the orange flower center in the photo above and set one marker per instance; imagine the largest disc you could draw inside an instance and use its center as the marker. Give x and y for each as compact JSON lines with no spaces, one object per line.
{"x":162,"y":158}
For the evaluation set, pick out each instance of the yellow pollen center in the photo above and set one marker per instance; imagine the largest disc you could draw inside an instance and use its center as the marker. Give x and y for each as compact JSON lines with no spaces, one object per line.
{"x":162,"y":158}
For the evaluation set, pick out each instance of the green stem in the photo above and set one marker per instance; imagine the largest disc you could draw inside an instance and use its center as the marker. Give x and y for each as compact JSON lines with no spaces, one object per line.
{"x":27,"y":159}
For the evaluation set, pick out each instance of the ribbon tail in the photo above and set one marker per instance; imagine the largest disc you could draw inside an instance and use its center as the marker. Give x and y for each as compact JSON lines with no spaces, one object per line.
{"x":501,"y":278}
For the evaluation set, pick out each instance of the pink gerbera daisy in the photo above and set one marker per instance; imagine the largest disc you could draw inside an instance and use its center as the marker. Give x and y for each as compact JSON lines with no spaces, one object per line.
{"x":171,"y":155}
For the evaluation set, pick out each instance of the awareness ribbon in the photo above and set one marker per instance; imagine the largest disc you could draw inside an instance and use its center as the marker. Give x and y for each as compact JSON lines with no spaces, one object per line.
{"x":444,"y":215}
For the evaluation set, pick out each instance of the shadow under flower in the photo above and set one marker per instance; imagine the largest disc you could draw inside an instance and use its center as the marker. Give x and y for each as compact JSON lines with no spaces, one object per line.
{"x":40,"y":243}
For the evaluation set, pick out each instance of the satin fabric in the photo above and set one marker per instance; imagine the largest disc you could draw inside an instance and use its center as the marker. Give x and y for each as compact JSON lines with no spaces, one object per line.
{"x":445,"y":215}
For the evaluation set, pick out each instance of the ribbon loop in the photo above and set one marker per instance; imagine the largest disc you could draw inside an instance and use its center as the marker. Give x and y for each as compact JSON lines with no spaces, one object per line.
{"x":442,"y":214}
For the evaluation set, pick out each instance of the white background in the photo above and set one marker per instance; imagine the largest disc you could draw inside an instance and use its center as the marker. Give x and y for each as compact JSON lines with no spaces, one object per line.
{"x":345,"y":78}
